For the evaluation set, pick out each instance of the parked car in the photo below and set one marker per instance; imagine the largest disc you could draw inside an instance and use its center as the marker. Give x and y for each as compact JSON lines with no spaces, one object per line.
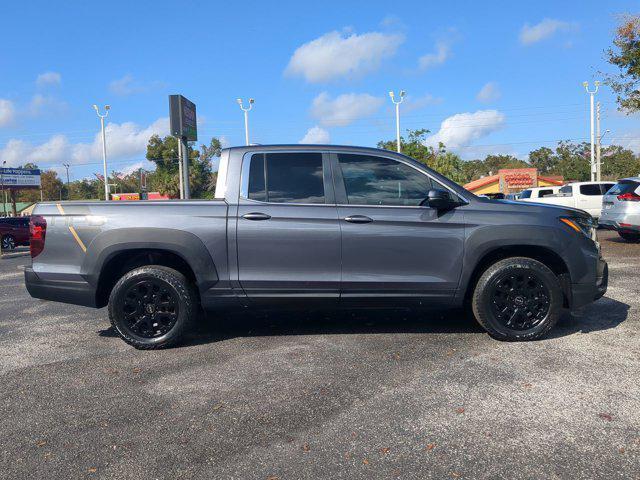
{"x":317,"y":227}
{"x":621,"y":209}
{"x":586,"y":196}
{"x":14,"y":231}
{"x":535,"y":193}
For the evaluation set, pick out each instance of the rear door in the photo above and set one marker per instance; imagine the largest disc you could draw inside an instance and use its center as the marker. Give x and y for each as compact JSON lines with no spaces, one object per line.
{"x":288,"y":236}
{"x":590,"y":198}
{"x":393,"y":248}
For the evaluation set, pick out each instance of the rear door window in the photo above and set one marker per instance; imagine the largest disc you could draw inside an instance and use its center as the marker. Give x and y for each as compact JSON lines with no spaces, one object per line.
{"x":286,"y":178}
{"x":545,"y":193}
{"x":590,"y":190}
{"x":605,"y":187}
{"x":525,"y":194}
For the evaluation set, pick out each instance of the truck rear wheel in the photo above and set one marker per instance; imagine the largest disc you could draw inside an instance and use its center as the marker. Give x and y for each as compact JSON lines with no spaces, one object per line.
{"x":517,"y":299}
{"x":151,"y":307}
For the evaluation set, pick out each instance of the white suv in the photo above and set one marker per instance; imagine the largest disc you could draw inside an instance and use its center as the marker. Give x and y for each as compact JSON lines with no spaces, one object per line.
{"x":534,"y":194}
{"x":586,"y":196}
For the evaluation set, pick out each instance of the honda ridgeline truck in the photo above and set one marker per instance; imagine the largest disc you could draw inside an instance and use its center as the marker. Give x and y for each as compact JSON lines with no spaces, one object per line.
{"x":316,"y":226}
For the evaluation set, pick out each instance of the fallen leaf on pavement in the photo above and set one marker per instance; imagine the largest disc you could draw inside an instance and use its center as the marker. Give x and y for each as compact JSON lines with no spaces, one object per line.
{"x":385,"y":450}
{"x":460,"y":410}
{"x":93,"y":470}
{"x":217,"y":406}
{"x":365,"y":462}
{"x":41,"y":443}
{"x":606,"y":416}
{"x":430,"y":446}
{"x":306,"y":447}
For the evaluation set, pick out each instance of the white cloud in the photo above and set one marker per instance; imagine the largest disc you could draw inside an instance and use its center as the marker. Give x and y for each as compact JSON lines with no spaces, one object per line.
{"x":128,"y":85}
{"x":458,"y":130}
{"x":124,"y":141}
{"x":7,"y":112}
{"x":344,"y":109}
{"x":43,"y":104}
{"x":490,"y":92}
{"x":530,"y":34}
{"x":336,"y":55}
{"x":442,"y":53}
{"x":316,"y":135}
{"x":412,"y":103}
{"x":48,"y":78}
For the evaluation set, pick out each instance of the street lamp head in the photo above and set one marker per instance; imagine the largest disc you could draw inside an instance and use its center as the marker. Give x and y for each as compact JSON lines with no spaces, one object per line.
{"x":391,"y":94}
{"x":239,"y":100}
{"x":402,"y":93}
{"x":95,"y":107}
{"x":107,"y":107}
{"x":597,"y":82}
{"x":251,"y":100}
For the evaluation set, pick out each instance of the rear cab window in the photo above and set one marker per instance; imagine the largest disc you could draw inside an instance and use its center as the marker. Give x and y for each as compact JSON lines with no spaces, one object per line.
{"x":525,"y":194}
{"x":566,"y":191}
{"x":291,"y":177}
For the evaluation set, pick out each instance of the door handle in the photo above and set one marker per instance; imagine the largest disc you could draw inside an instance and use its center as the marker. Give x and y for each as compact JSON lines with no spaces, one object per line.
{"x":358,"y":219}
{"x":256,"y":216}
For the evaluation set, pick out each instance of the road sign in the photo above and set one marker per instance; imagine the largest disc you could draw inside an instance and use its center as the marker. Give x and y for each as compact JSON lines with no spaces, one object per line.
{"x":182,"y":113}
{"x":19,"y":178}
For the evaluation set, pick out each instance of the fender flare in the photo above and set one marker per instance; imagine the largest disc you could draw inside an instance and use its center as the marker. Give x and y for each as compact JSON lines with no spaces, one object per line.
{"x":184,"y":244}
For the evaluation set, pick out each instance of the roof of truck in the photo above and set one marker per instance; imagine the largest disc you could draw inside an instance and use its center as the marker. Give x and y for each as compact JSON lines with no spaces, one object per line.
{"x":303,"y":146}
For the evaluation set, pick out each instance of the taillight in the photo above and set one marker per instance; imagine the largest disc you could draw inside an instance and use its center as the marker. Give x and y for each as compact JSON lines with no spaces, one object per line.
{"x":629,"y":197}
{"x":37,"y":233}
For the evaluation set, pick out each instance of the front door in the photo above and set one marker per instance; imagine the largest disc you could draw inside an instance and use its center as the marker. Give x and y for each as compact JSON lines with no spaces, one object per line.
{"x":393,"y":249}
{"x":288,"y":234}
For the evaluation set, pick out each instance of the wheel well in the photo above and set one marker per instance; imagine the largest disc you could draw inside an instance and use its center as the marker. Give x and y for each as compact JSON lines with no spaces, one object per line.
{"x":123,"y":262}
{"x":544,"y":255}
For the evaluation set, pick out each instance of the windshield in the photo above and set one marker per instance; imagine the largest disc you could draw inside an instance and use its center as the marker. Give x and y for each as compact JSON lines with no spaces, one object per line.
{"x":525,"y":194}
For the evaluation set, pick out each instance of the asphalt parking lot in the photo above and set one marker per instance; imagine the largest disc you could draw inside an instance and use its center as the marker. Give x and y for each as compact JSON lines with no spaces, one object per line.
{"x":291,"y":396}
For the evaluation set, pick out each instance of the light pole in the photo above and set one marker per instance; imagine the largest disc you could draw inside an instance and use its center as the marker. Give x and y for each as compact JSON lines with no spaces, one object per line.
{"x":4,"y":195}
{"x":104,"y":148}
{"x":591,"y":94}
{"x":66,"y":165}
{"x":246,"y":117}
{"x":397,"y":104}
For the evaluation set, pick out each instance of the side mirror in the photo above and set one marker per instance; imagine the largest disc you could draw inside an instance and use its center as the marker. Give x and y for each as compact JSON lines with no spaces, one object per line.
{"x":439,"y":199}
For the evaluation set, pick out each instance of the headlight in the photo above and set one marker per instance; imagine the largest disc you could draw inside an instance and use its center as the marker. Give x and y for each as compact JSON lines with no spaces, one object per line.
{"x":586,"y":226}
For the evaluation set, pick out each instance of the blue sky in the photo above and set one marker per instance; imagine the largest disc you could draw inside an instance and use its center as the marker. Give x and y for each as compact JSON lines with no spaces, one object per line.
{"x":484,"y":77}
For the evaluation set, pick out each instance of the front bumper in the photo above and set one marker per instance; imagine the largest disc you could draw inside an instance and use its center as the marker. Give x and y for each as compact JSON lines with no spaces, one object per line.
{"x":585,"y":293}
{"x":77,"y":291}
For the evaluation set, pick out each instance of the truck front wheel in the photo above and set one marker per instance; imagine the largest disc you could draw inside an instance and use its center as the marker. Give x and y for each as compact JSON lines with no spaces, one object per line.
{"x":517,"y":299}
{"x":151,"y":307}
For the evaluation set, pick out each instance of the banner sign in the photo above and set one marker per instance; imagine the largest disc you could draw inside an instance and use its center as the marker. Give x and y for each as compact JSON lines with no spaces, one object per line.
{"x":19,"y":178}
{"x":182,"y":114}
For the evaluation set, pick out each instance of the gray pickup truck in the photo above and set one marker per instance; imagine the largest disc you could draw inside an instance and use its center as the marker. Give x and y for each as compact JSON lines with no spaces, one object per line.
{"x":317,"y":227}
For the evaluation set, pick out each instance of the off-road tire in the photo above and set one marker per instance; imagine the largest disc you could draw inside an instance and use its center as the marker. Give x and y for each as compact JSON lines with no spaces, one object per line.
{"x":630,"y":237}
{"x":481,"y":302}
{"x":187,"y":299}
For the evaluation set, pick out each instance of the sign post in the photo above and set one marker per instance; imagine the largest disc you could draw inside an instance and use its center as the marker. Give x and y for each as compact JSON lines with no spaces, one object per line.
{"x":182,"y":113}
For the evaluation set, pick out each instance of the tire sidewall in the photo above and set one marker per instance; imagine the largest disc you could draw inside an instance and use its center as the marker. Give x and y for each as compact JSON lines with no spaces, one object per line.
{"x":179,"y":287}
{"x":482,"y":299}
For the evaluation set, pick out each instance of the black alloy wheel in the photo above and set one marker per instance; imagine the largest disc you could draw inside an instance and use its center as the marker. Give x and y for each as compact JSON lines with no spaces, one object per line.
{"x":517,"y":298}
{"x":152,"y":307}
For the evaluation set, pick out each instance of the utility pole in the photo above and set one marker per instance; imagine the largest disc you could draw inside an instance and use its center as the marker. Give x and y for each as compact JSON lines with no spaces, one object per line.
{"x":66,"y":165}
{"x":104,"y":148}
{"x":246,"y":117}
{"x":591,"y":95}
{"x":397,"y":104}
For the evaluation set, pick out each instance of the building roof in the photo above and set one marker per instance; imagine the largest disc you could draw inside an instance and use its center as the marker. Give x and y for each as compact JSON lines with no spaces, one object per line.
{"x":481,"y":182}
